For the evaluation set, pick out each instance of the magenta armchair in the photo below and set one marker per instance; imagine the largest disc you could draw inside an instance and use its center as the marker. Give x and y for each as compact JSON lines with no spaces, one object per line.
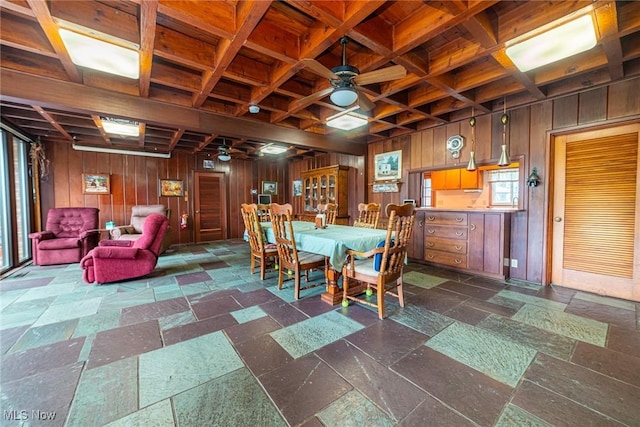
{"x":116,"y":260}
{"x":70,"y":233}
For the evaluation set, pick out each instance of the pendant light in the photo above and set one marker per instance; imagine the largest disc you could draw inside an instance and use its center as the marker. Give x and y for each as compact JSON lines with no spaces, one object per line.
{"x":504,"y":155}
{"x":472,"y":155}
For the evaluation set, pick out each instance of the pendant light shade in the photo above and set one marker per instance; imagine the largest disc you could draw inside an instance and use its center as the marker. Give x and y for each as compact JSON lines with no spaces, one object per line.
{"x":504,"y":155}
{"x":471,"y":166}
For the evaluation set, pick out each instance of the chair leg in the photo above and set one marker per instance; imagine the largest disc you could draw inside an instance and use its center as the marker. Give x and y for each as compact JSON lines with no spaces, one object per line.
{"x":380,"y":301}
{"x":400,"y":292}
{"x":345,"y":288}
{"x":263,"y":262}
{"x":253,"y":263}
{"x":280,"y":273}
{"x":296,"y":288}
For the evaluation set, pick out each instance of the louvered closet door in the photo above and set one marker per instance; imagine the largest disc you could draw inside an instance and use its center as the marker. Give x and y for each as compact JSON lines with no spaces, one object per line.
{"x":596,"y":212}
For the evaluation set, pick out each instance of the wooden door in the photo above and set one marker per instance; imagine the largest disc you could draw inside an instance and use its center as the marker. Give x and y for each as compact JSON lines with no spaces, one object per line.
{"x":595,"y":212}
{"x":210,"y":203}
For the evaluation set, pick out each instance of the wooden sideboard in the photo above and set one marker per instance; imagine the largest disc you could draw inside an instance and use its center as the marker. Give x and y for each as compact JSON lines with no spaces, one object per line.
{"x":474,"y":241}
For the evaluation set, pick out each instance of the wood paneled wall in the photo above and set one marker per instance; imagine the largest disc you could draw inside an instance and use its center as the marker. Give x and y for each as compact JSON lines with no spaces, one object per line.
{"x":135,"y":181}
{"x":529,"y":132}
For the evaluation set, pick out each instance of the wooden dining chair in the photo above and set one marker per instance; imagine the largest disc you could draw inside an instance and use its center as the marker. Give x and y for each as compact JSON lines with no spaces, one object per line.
{"x":290,"y":258}
{"x":368,"y":215}
{"x":381,"y":268}
{"x":265,"y":254}
{"x":330,"y":210}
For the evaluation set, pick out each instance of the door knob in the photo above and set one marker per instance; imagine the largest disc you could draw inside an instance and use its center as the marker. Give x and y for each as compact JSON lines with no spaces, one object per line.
{"x":197,"y":211}
{"x":557,"y":219}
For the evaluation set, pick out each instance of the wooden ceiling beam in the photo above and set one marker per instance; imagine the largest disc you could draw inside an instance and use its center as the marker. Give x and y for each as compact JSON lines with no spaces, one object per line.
{"x":21,"y":87}
{"x":148,"y":21}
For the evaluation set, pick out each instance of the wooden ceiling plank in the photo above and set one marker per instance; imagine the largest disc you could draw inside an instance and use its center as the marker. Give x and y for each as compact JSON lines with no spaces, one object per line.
{"x":41,"y":12}
{"x":148,"y":21}
{"x":25,"y":35}
{"x":249,"y":13}
{"x":98,"y":122}
{"x":213,"y":17}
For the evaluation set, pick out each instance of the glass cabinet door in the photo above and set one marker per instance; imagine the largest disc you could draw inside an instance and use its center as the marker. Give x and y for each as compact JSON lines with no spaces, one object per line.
{"x":331,"y":191}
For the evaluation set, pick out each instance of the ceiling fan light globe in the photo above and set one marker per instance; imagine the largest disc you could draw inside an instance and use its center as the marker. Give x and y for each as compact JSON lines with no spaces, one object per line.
{"x":224,"y":157}
{"x":344,"y":96}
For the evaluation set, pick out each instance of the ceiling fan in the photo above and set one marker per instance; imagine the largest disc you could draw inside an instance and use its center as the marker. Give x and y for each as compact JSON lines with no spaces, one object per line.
{"x":226,"y":151}
{"x":346,"y":78}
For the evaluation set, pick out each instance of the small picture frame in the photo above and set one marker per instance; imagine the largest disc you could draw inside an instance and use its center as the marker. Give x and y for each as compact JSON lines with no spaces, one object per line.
{"x":96,"y":183}
{"x":270,"y":187}
{"x":171,"y":187}
{"x":388,"y":166}
{"x":208,"y":164}
{"x":297,"y":187}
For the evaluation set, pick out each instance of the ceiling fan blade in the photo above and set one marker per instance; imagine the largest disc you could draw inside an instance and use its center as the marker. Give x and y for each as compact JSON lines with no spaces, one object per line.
{"x":384,"y":74}
{"x":319,"y":69}
{"x":365,"y":103}
{"x":314,"y":96}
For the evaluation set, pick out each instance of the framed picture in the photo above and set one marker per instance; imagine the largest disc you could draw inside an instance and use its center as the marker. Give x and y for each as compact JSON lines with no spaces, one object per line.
{"x":171,"y":187}
{"x":95,"y":183}
{"x":388,"y":166}
{"x":297,"y":187}
{"x":270,"y":187}
{"x":207,"y":164}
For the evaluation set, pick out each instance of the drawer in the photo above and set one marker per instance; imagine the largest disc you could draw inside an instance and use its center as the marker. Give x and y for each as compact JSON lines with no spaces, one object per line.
{"x":445,"y":218}
{"x":447,"y":232}
{"x":446,"y":245}
{"x":446,"y":258}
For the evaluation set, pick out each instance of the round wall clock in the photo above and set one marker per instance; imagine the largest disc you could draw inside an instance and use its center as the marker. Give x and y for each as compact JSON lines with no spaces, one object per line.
{"x":455,"y":144}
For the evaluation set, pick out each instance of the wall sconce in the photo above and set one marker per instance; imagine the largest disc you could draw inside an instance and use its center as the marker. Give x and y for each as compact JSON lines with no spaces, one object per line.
{"x":533,"y":179}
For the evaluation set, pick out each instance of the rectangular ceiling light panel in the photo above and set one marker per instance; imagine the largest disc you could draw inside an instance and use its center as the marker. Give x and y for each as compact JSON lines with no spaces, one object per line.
{"x":102,"y":56}
{"x":561,"y":42}
{"x":347,"y":121}
{"x":120,"y":127}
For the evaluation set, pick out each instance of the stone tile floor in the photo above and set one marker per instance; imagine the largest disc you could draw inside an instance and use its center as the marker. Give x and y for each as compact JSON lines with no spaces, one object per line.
{"x":201,"y":342}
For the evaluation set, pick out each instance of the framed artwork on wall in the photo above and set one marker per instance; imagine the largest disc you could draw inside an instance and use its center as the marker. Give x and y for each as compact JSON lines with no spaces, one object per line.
{"x":96,"y":183}
{"x":171,"y":187}
{"x":207,"y":164}
{"x":388,"y":166}
{"x":297,"y":187}
{"x":270,"y":187}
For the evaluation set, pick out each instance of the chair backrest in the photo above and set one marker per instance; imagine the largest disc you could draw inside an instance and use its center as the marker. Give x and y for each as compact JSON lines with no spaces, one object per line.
{"x":252,"y":225}
{"x":368,"y":215}
{"x":71,"y":222}
{"x":263,"y":212}
{"x":153,"y":231}
{"x":330,"y":210}
{"x":140,"y":212}
{"x":283,"y":232}
{"x":399,"y":231}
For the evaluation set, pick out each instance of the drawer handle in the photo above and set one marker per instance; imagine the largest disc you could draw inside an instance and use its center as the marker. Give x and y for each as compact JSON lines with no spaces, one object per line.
{"x":430,"y":244}
{"x":458,"y":219}
{"x":430,"y":256}
{"x":431,"y":231}
{"x":457,"y":261}
{"x":473,"y":227}
{"x":431,"y":218}
{"x":420,"y":223}
{"x":459,"y":233}
{"x":458,"y":248}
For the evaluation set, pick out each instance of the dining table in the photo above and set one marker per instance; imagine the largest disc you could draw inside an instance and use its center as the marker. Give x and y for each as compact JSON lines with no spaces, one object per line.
{"x":332,"y":241}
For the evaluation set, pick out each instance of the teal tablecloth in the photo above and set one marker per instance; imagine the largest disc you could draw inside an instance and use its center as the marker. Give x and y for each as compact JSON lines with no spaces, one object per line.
{"x":332,"y":241}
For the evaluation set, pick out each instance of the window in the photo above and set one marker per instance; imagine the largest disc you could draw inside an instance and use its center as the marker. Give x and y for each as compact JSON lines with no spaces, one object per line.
{"x":427,"y":199}
{"x":504,"y":186}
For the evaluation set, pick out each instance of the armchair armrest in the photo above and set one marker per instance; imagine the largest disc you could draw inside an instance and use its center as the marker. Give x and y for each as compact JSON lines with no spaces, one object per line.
{"x":116,"y":243}
{"x":114,"y":252}
{"x":88,"y":233}
{"x":42,"y":235}
{"x":116,"y":232}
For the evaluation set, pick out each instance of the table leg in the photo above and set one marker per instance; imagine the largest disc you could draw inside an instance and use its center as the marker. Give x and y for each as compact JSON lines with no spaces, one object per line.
{"x":333,"y":296}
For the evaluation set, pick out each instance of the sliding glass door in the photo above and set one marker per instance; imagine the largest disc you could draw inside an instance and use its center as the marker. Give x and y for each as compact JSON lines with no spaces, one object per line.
{"x":15,"y":202}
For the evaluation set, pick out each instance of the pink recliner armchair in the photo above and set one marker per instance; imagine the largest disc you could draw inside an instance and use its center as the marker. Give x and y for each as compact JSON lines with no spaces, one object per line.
{"x":116,"y":260}
{"x":70,"y":233}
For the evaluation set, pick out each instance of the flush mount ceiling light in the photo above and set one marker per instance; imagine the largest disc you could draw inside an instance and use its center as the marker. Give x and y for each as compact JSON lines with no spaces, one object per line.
{"x":224,"y":157}
{"x":571,"y":38}
{"x":120,"y":126}
{"x":102,"y":56}
{"x":344,"y":96}
{"x":273,"y":149}
{"x":347,"y":121}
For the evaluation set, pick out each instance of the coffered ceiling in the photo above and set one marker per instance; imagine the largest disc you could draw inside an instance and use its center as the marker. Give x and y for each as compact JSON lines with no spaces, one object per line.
{"x":204,"y":63}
